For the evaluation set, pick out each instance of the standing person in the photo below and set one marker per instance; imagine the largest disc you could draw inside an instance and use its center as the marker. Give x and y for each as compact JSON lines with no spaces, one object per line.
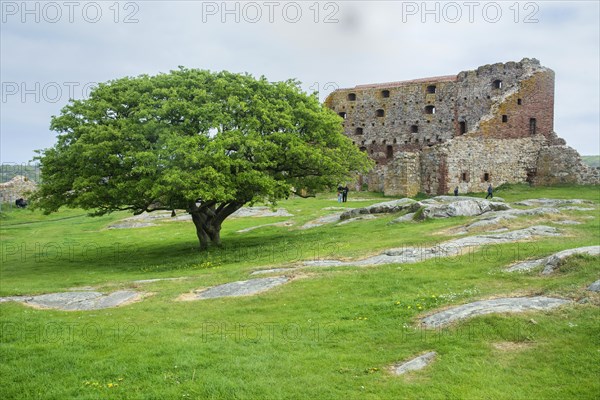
{"x":490,"y":192}
{"x":340,"y":189}
{"x":345,"y":191}
{"x":456,"y":191}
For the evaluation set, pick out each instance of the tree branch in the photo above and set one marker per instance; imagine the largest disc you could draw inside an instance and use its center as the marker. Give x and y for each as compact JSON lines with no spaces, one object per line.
{"x":303,"y":196}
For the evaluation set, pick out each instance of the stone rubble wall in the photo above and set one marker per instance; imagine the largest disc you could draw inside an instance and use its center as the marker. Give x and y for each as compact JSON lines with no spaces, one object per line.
{"x":16,"y":188}
{"x":504,"y":161}
{"x":403,"y":175}
{"x":562,"y":164}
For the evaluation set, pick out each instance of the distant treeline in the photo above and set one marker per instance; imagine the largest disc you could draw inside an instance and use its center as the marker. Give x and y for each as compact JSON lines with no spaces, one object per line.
{"x":592,"y":161}
{"x":10,"y":170}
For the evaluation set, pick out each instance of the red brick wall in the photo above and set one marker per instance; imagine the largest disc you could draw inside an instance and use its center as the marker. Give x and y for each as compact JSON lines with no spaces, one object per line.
{"x":537,"y":101}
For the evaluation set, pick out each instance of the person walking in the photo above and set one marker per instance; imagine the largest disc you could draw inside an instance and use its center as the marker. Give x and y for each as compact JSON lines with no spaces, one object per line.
{"x":490,"y":192}
{"x":345,"y":191}
{"x":340,"y":189}
{"x":456,"y":191}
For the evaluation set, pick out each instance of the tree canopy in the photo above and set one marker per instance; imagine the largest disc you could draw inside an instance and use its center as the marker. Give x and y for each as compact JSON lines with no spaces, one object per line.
{"x":207,"y":142}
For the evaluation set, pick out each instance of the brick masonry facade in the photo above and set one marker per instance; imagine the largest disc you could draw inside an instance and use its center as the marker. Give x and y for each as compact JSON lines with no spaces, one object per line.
{"x":492,"y":125}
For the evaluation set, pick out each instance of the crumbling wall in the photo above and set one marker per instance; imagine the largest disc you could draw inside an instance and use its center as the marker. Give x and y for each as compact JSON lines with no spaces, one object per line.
{"x":475,"y":162}
{"x":375,"y":179}
{"x":403,"y":177}
{"x":562,"y":164}
{"x":434,"y":170}
{"x":17,"y":187}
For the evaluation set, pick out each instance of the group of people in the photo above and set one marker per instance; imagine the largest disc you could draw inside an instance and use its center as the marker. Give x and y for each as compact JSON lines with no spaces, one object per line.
{"x":342,"y":193}
{"x":490,"y":191}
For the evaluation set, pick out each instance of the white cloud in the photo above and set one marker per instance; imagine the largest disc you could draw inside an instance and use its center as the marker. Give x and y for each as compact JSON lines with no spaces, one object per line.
{"x":371,"y":42}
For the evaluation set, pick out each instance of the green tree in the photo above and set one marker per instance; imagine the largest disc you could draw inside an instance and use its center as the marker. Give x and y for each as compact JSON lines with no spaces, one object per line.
{"x":196,"y":140}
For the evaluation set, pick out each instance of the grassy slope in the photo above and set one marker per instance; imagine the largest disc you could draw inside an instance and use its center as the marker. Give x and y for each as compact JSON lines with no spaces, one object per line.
{"x":330,"y":333}
{"x":592,"y":161}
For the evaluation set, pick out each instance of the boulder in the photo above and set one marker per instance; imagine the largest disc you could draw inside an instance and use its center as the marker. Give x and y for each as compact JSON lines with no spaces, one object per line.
{"x":463,"y":208}
{"x":383,"y":208}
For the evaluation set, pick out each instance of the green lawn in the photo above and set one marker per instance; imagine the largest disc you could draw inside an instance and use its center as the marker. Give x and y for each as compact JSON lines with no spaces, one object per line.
{"x":330,"y":333}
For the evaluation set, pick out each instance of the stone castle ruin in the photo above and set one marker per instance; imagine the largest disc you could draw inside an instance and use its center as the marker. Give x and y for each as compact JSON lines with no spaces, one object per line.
{"x":491,"y":125}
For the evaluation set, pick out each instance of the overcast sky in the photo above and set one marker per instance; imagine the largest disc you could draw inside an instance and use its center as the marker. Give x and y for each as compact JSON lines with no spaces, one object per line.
{"x":51,"y":51}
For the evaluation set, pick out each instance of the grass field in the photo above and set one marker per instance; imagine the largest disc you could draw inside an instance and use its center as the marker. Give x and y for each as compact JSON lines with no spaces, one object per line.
{"x":330,"y":333}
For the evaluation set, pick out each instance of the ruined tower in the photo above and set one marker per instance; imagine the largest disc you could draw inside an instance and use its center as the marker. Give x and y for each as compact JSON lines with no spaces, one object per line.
{"x":491,"y":125}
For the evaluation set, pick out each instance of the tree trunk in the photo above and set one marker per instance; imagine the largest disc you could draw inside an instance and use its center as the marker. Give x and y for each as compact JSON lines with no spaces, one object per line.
{"x":208,"y":220}
{"x":215,"y":236}
{"x":203,"y":237}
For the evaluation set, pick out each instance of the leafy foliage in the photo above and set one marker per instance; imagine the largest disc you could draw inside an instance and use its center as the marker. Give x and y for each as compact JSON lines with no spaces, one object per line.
{"x":195,"y":140}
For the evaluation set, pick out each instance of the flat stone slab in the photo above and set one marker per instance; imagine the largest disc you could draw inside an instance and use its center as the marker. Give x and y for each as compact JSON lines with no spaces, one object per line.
{"x":575,"y":208}
{"x":271,"y":271}
{"x":496,"y":217}
{"x":451,"y":199}
{"x":279,"y":224}
{"x":360,"y":218}
{"x":178,"y":218}
{"x":240,"y":288}
{"x":551,"y":202}
{"x":159,"y":280}
{"x":78,"y":301}
{"x":14,"y":298}
{"x":415,"y":364}
{"x":146,"y":219}
{"x":567,"y":222}
{"x":130,"y":225}
{"x":326,"y":263}
{"x":260,"y":211}
{"x":447,"y":249}
{"x":405,"y":218}
{"x":352,"y":198}
{"x":553,"y":262}
{"x":503,"y":305}
{"x":152,"y":216}
{"x":594,"y":287}
{"x":327,"y":219}
{"x":525,"y":266}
